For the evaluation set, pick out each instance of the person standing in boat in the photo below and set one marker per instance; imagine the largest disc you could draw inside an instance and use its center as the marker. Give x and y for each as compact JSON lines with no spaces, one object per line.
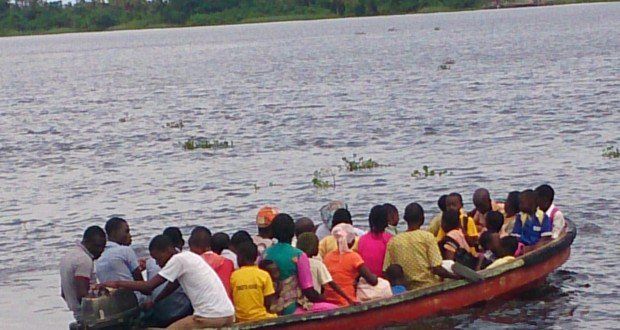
{"x":416,"y":251}
{"x":295,"y":280}
{"x":77,"y":268}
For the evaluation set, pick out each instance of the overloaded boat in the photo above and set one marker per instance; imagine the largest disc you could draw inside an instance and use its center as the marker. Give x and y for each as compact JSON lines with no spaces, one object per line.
{"x":503,"y":282}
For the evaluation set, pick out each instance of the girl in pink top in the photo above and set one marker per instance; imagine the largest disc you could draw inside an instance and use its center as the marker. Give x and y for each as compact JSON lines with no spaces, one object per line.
{"x":372,"y":245}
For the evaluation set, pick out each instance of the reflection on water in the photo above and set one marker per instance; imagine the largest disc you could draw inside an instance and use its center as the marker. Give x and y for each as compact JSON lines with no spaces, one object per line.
{"x":533,"y":96}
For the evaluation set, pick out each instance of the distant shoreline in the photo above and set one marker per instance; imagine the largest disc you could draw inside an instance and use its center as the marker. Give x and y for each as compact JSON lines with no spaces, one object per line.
{"x":290,"y":18}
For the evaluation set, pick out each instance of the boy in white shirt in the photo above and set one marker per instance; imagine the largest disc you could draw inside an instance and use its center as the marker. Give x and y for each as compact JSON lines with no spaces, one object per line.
{"x":545,"y":203}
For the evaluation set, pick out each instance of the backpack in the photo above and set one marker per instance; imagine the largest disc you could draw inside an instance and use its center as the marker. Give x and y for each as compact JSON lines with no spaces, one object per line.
{"x":461,"y":255}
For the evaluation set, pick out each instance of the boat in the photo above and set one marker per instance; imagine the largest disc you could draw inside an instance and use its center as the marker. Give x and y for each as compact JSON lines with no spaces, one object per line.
{"x":504,"y":282}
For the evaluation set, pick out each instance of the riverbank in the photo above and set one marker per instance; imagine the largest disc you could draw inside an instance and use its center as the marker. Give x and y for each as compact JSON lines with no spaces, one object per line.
{"x":241,"y":16}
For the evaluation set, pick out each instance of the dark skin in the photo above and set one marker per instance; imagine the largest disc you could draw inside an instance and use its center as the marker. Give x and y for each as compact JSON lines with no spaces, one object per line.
{"x":438,"y":270}
{"x":95,"y":246}
{"x":529,"y":205}
{"x":454,"y":203}
{"x":122,"y":236}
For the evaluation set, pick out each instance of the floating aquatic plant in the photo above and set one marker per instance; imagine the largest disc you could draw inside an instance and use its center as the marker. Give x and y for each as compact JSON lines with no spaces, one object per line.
{"x":427,"y":171}
{"x":611,"y":152}
{"x":319,"y":182}
{"x":359,"y":164}
{"x":193,"y":143}
{"x":175,"y":124}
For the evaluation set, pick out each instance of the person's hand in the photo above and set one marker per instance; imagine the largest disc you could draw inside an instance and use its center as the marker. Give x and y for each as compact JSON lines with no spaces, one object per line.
{"x":111,"y":284}
{"x":142,"y":264}
{"x":148,"y":305}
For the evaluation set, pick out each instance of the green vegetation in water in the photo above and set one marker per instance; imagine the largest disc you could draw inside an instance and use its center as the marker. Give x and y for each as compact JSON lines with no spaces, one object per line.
{"x":611,"y":152}
{"x":193,"y":144}
{"x":359,"y":164}
{"x":175,"y":124}
{"x":319,"y":182}
{"x":427,"y":171}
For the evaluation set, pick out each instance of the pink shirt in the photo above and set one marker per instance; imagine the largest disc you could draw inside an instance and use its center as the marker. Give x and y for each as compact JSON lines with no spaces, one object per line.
{"x":372,"y":248}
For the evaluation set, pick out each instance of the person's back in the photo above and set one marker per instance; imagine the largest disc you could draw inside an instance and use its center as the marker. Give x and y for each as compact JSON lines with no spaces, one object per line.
{"x":344,"y":269}
{"x":75,"y":263}
{"x":413,"y":250}
{"x":170,"y":309}
{"x":372,"y":246}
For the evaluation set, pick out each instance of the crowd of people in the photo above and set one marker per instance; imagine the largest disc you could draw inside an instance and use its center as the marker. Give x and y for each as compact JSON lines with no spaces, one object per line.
{"x":294,"y":267}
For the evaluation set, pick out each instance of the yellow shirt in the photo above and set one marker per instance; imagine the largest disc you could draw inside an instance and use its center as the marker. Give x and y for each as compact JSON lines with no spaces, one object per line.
{"x":470,"y":227}
{"x":250,"y":285}
{"x":416,"y":252}
{"x":435,"y":224}
{"x":501,"y":261}
{"x":329,"y":244}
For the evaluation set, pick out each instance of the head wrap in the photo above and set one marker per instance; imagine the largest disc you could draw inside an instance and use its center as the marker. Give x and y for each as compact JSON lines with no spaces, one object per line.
{"x":327,"y":211}
{"x":265,"y":216}
{"x":344,"y":234}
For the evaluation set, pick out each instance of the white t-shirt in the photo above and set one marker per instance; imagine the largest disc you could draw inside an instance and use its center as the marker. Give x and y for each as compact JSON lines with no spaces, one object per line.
{"x":200,"y":283}
{"x":320,"y":274}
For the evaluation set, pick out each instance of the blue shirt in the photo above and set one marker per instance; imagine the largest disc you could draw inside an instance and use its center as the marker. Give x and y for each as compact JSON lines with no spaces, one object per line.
{"x":530,"y":229}
{"x":398,"y":289}
{"x":116,"y":263}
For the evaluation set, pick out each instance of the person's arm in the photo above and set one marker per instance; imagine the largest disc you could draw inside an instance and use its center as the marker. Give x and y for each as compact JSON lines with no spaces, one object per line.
{"x":304,"y":278}
{"x":145,"y":287}
{"x":434,"y":260}
{"x":366,"y":274}
{"x":137,"y":274}
{"x":269,"y":300}
{"x":480,"y":262}
{"x":339,"y":291}
{"x":168,"y":290}
{"x":82,"y":284}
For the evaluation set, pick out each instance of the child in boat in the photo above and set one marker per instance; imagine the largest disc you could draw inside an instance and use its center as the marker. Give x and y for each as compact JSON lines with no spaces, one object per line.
{"x":238,"y":238}
{"x":395,"y":274}
{"x":488,"y":241}
{"x":372,"y":245}
{"x":309,"y":243}
{"x":219,"y":245}
{"x":454,"y":202}
{"x":454,"y":246}
{"x":505,"y":251}
{"x":511,"y":207}
{"x":252,"y":288}
{"x":329,"y":243}
{"x":200,"y":243}
{"x":175,"y":235}
{"x":392,"y":219}
{"x":435,"y":224}
{"x":532,"y":226}
{"x":345,"y":266}
{"x":545,"y":203}
{"x":494,"y":220}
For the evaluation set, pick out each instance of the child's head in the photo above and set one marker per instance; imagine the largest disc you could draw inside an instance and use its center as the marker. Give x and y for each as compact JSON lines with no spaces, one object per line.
{"x":545,"y":196}
{"x":509,"y":246}
{"x":342,"y":216}
{"x":161,"y":249}
{"x":512,"y":203}
{"x":283,"y":228}
{"x":494,"y":221}
{"x":454,"y":202}
{"x":270,"y":267}
{"x":303,"y":225}
{"x":174,"y":233}
{"x":450,"y":220}
{"x":395,"y":274}
{"x":309,"y":243}
{"x":414,"y":215}
{"x":494,"y":244}
{"x":247,"y":252}
{"x":441,"y":203}
{"x":489,"y":241}
{"x":528,"y":201}
{"x":219,"y":242}
{"x":377,"y":219}
{"x":238,"y":238}
{"x":392,"y":214}
{"x":200,"y":240}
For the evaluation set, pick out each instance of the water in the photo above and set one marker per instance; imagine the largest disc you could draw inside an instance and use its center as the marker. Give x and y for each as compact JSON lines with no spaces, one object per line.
{"x":533,"y":97}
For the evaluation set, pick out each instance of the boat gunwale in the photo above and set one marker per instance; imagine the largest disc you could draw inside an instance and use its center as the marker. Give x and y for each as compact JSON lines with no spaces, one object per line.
{"x":530,"y":259}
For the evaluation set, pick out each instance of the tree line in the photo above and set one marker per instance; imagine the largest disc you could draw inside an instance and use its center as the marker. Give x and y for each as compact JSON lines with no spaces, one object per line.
{"x":37,"y":16}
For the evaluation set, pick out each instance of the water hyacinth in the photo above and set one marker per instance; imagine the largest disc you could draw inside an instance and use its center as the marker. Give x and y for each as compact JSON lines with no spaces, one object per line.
{"x":611,"y":152}
{"x":194,"y":143}
{"x":359,"y":164}
{"x":427,"y":171}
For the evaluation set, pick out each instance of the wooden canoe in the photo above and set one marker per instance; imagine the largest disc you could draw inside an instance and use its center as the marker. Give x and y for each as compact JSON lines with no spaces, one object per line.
{"x":502,"y":282}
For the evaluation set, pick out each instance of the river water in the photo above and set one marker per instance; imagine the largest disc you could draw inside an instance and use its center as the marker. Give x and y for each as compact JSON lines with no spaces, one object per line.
{"x":533,"y":96}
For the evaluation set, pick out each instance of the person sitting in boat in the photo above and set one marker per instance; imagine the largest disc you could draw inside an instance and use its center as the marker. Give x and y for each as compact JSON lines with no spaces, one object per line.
{"x":435,"y":224}
{"x":295,"y":280}
{"x":77,"y":268}
{"x":119,"y":262}
{"x":212,"y":308}
{"x":264,"y":218}
{"x":494,"y":221}
{"x":511,"y":207}
{"x":372,"y":245}
{"x":303,"y":225}
{"x":346,"y":266}
{"x":454,"y":202}
{"x":416,"y":251}
{"x":545,"y":203}
{"x":488,"y":242}
{"x":175,"y":235}
{"x":200,"y":243}
{"x":396,"y":276}
{"x":220,"y":243}
{"x":505,"y":252}
{"x":454,"y":245}
{"x":327,"y":216}
{"x":483,"y":204}
{"x":238,"y":238}
{"x":392,"y":219}
{"x":532,"y":226}
{"x":329,"y":244}
{"x":252,"y":289}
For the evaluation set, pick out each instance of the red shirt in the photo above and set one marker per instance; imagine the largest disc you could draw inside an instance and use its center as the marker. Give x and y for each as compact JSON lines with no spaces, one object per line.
{"x":222,"y":266}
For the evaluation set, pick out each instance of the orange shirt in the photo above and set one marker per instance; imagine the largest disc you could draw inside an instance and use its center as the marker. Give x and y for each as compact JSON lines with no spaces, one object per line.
{"x":222,"y":266}
{"x":344,"y":269}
